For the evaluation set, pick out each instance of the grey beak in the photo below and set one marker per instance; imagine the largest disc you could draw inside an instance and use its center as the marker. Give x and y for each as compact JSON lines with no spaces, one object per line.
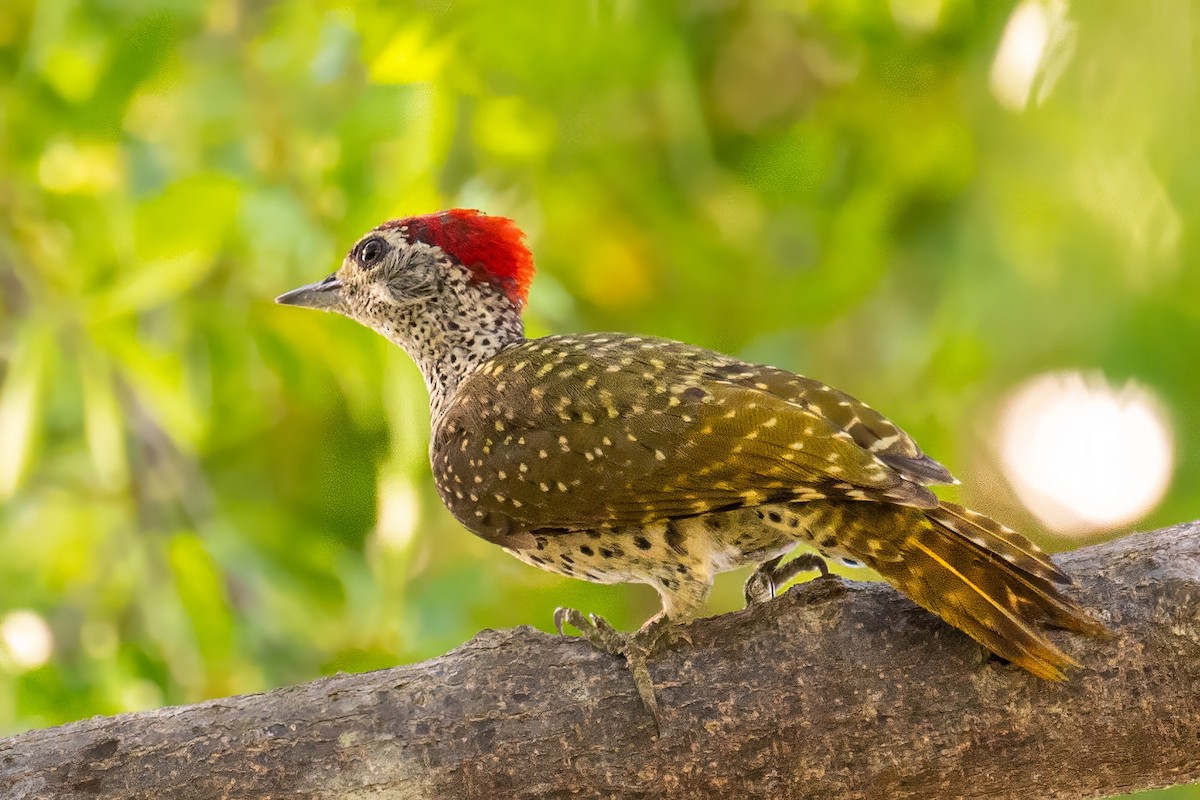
{"x":323,"y":295}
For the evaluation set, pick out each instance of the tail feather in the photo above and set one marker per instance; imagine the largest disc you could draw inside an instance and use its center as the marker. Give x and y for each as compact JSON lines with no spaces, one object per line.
{"x":985,"y":597}
{"x":981,"y":577}
{"x":991,"y":623}
{"x":989,"y":535}
{"x":1034,"y":572}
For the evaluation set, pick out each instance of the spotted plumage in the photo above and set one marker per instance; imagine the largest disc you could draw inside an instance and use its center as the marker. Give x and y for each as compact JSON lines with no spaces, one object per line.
{"x":603,"y":430}
{"x":616,"y":458}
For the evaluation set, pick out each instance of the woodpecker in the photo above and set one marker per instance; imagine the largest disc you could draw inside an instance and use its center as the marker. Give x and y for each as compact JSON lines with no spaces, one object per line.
{"x":616,"y":458}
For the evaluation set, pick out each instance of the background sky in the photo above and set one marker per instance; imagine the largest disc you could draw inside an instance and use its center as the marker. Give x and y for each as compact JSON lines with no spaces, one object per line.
{"x":978,"y":217}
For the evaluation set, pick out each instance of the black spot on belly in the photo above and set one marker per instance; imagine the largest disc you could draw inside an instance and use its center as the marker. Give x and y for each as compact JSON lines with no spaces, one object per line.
{"x":587,"y":551}
{"x":541,"y":543}
{"x":675,"y":540}
{"x":829,"y":541}
{"x":642,"y":543}
{"x":775,"y":516}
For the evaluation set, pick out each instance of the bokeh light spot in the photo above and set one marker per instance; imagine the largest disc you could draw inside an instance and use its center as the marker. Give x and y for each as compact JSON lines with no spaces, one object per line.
{"x":1035,"y":48}
{"x":917,"y":16}
{"x":399,"y":511}
{"x":26,"y":639}
{"x":68,"y":167}
{"x":1083,"y":455}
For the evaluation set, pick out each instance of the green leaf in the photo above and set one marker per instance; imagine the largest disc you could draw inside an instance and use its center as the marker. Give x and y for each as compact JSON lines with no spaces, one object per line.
{"x":20,"y":409}
{"x":176,"y":237}
{"x":202,"y":593}
{"x":104,"y":425}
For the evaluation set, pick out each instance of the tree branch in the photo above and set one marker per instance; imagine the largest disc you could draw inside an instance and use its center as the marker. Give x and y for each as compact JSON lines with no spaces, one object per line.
{"x":836,"y":689}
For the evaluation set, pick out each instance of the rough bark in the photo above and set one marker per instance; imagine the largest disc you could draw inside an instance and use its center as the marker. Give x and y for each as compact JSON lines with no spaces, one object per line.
{"x":836,"y":689}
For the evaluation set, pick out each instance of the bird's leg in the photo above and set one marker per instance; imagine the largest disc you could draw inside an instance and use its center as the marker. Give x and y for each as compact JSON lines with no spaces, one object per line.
{"x":770,"y":575}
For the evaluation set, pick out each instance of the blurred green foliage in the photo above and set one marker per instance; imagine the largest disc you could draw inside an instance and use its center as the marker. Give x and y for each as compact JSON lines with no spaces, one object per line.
{"x":203,"y":493}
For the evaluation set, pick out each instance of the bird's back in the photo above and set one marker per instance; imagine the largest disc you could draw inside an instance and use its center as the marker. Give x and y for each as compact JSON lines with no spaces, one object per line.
{"x":575,"y":432}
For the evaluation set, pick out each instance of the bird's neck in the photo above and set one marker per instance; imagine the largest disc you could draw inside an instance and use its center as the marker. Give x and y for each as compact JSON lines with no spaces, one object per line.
{"x":452,"y":335}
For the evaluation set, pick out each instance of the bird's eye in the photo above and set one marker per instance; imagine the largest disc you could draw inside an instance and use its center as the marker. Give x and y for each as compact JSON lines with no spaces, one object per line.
{"x":371,"y":252}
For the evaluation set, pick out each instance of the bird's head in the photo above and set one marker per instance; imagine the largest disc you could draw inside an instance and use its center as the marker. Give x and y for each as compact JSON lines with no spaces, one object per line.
{"x":406,"y":266}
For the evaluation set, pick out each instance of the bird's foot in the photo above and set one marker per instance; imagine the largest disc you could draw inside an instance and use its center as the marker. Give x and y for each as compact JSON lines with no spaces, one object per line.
{"x":659,"y":631}
{"x":770,"y":575}
{"x":594,"y":629}
{"x":635,"y":648}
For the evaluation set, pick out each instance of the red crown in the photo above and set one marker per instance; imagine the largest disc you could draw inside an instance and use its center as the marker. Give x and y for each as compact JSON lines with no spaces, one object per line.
{"x":492,"y":248}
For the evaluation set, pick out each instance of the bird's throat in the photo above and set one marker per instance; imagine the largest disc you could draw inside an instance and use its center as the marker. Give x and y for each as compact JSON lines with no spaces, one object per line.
{"x":452,"y":335}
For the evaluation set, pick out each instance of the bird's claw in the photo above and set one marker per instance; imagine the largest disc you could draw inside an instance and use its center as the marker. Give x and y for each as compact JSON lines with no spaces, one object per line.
{"x":595,"y":629}
{"x":635,"y":648}
{"x":759,"y":588}
{"x":562,"y":616}
{"x":765,"y":581}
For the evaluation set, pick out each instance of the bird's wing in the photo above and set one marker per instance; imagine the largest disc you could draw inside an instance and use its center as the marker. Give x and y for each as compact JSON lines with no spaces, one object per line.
{"x":572,"y":433}
{"x":866,"y":426}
